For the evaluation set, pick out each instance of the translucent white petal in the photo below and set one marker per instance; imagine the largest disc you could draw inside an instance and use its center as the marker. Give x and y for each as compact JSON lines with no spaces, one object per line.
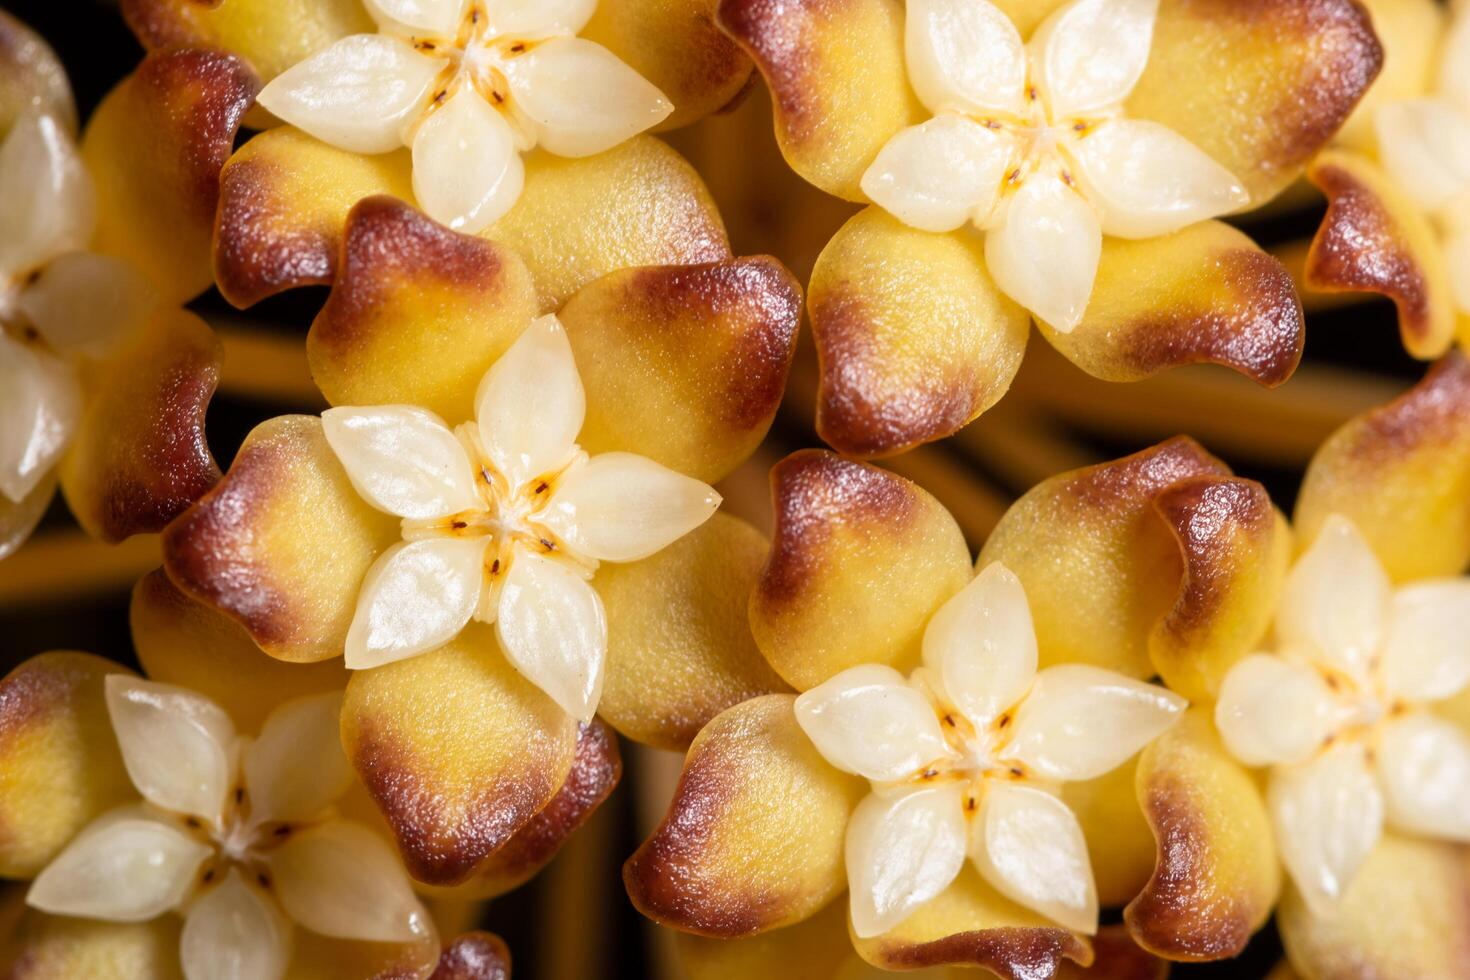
{"x":297,"y":767}
{"x":1457,"y":258}
{"x":178,"y":746}
{"x":84,"y":302}
{"x":964,"y":54}
{"x":233,"y":932}
{"x":124,"y":870}
{"x":1334,"y":606}
{"x":1328,"y":814}
{"x":1424,"y":770}
{"x":982,"y":644}
{"x":433,"y":17}
{"x":1045,"y":249}
{"x":40,"y":404}
{"x":902,"y":850}
{"x":936,"y":175}
{"x":357,"y":94}
{"x":533,"y":19}
{"x":467,"y":172}
{"x":402,"y":460}
{"x":342,"y":880}
{"x":417,"y":596}
{"x":1273,"y":711}
{"x":1425,"y":143}
{"x":1029,"y":845}
{"x":1427,"y":654}
{"x":582,"y":97}
{"x":1090,"y":53}
{"x":530,"y":404}
{"x":1080,"y":722}
{"x":552,"y":628}
{"x":47,"y":205}
{"x":867,"y":720}
{"x":18,"y":520}
{"x":1454,"y":61}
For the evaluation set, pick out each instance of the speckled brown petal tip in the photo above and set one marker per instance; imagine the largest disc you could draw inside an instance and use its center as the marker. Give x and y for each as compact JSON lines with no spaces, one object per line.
{"x":32,"y":78}
{"x":474,"y":956}
{"x":1116,"y":957}
{"x":860,"y":560}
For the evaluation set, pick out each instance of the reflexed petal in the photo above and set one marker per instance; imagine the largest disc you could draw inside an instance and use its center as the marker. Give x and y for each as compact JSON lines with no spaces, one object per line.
{"x":233,"y":932}
{"x":1427,"y":654}
{"x":296,"y":767}
{"x":530,"y":404}
{"x":1424,"y":771}
{"x":40,"y":404}
{"x":127,"y":869}
{"x":582,"y":98}
{"x":1457,"y":258}
{"x":937,"y":175}
{"x":357,"y":94}
{"x":1272,"y":711}
{"x":1090,"y":54}
{"x":47,"y":204}
{"x":439,"y":17}
{"x":1029,"y":845}
{"x":868,"y":721}
{"x":1336,"y":602}
{"x":417,"y":596}
{"x":403,"y":460}
{"x":964,"y":54}
{"x":1080,"y":721}
{"x":982,"y":645}
{"x":1454,"y":61}
{"x":1328,"y":815}
{"x":902,"y":850}
{"x":622,"y":507}
{"x":1425,"y":144}
{"x":535,"y":19}
{"x":467,"y":172}
{"x":1045,"y":251}
{"x":179,"y":747}
{"x":552,"y":627}
{"x":85,"y":302}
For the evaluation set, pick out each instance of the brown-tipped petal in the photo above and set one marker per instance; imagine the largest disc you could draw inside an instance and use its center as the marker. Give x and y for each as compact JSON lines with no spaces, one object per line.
{"x":1259,"y":85}
{"x":1373,"y":239}
{"x":474,"y":956}
{"x":861,"y":559}
{"x":1098,"y":566}
{"x":32,"y":78}
{"x":1407,"y":29}
{"x":1204,"y":295}
{"x":1115,"y":957}
{"x":813,"y":949}
{"x":639,"y":203}
{"x":1217,"y":876}
{"x":1119,"y":840}
{"x":156,"y":195}
{"x":282,"y":543}
{"x":685,"y":364}
{"x":1401,"y":473}
{"x":838,"y":84}
{"x":139,"y":456}
{"x":54,"y":947}
{"x":458,"y":750}
{"x":726,"y":862}
{"x":59,"y":763}
{"x":418,"y":313}
{"x":1403,"y":917}
{"x":913,"y":335}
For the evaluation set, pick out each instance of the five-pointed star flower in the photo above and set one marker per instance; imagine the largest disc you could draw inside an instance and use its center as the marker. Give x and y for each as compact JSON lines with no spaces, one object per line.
{"x":1030,"y":144}
{"x":1342,"y":711}
{"x":968,"y":755}
{"x":505,"y":519}
{"x":469,"y":85}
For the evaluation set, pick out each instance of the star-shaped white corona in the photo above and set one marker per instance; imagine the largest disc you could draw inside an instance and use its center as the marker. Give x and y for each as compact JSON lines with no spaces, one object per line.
{"x":966,"y":758}
{"x":1342,"y":711}
{"x":505,"y":520}
{"x":237,"y":835}
{"x":1030,"y":144}
{"x":470,"y":85}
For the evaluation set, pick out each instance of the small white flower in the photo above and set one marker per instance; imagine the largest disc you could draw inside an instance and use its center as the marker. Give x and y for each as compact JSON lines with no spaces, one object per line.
{"x":967,"y":756}
{"x":1030,"y":144}
{"x":505,"y":520}
{"x":1340,"y":712}
{"x":237,"y":835}
{"x":469,"y":85}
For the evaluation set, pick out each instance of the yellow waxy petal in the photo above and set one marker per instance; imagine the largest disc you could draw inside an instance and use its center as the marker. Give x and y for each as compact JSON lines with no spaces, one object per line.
{"x":1119,"y":840}
{"x":1406,"y":29}
{"x":32,"y":78}
{"x":54,"y":947}
{"x":816,"y":948}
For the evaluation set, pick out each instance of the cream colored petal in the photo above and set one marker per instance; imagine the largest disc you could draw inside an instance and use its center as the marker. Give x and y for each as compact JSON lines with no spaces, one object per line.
{"x":437,"y":17}
{"x":531,"y":404}
{"x":296,"y":768}
{"x":552,"y":628}
{"x":85,"y":302}
{"x":19,"y":519}
{"x":1081,"y":721}
{"x":623,"y":507}
{"x":902,"y":850}
{"x":964,"y":54}
{"x":867,"y":720}
{"x":1090,"y":53}
{"x":937,"y":175}
{"x":582,"y":98}
{"x":1044,"y":252}
{"x":1454,"y":61}
{"x":1272,"y":711}
{"x":127,"y":869}
{"x":402,"y":460}
{"x":358,"y":94}
{"x":982,"y":644}
{"x":539,"y":18}
{"x":467,"y":172}
{"x":1425,"y":144}
{"x":178,"y":746}
{"x":1424,"y":772}
{"x":1335,"y":603}
{"x":1427,"y":654}
{"x":1029,"y":845}
{"x":47,"y":204}
{"x":233,"y":932}
{"x":417,"y":596}
{"x":1328,"y":814}
{"x":40,"y":405}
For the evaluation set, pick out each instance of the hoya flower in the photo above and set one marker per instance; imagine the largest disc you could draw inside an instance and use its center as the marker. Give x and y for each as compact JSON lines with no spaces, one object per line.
{"x":1061,"y":162}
